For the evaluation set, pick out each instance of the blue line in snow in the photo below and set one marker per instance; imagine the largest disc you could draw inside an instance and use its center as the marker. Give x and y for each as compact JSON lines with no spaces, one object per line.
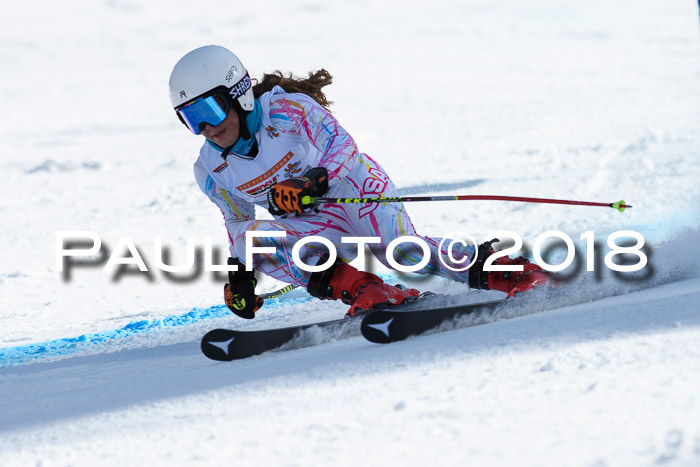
{"x":19,"y":355}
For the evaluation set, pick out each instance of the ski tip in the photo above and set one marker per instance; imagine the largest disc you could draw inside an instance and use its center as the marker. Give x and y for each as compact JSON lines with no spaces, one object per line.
{"x":217,"y":344}
{"x":375,"y":327}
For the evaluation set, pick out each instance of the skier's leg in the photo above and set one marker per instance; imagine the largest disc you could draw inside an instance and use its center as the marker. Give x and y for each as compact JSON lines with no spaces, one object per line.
{"x":390,"y":221}
{"x":340,"y":281}
{"x":280,"y":265}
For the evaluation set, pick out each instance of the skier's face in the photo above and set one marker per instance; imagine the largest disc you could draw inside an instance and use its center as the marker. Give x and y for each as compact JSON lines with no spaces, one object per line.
{"x":226,"y":133}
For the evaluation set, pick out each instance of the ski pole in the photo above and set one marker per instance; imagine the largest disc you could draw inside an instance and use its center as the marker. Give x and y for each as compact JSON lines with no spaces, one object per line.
{"x":306,"y":200}
{"x":278,"y":293}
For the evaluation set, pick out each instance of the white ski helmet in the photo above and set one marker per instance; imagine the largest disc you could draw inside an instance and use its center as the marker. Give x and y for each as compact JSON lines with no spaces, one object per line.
{"x":207,"y":68}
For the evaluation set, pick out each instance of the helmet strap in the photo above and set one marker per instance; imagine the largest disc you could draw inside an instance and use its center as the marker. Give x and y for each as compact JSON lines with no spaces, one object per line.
{"x":243,"y":130}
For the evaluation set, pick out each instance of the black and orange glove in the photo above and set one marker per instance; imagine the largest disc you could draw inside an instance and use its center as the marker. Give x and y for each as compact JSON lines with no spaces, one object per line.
{"x":286,"y":197}
{"x":239,"y":293}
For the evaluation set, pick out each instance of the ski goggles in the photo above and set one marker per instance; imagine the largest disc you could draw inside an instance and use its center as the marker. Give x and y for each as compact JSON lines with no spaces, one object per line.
{"x":210,"y":108}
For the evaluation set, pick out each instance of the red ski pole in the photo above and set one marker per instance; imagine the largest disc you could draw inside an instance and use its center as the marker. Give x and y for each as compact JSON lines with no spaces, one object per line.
{"x":620,"y":205}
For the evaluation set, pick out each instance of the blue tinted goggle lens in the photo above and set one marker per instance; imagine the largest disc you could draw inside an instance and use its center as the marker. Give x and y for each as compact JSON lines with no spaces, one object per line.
{"x":202,"y":110}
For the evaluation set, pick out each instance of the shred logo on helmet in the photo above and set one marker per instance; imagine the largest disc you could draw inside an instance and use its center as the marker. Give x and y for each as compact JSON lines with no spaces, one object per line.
{"x":231,"y":73}
{"x":241,"y":87}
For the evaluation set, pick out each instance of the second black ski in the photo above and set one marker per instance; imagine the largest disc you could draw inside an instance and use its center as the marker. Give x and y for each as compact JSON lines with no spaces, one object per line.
{"x":385,"y":326}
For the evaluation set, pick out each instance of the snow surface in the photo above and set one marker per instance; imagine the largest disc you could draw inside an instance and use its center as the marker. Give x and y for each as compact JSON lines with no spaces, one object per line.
{"x":594,"y":100}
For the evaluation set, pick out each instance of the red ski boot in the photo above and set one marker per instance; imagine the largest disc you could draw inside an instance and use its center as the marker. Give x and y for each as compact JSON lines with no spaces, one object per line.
{"x":510,"y":282}
{"x":360,"y":290}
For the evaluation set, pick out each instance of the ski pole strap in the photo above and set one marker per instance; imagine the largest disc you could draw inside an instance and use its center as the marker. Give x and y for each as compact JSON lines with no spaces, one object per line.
{"x":619,"y":205}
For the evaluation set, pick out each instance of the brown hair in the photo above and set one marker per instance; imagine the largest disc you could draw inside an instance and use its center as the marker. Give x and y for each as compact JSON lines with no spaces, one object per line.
{"x":310,"y":86}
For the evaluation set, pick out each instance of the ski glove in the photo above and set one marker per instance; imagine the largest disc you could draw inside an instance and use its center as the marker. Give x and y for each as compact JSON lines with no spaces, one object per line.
{"x":239,"y":293}
{"x":286,"y":196}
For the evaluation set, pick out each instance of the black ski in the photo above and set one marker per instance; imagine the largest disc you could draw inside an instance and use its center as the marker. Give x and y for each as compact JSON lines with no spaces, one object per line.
{"x":385,"y":326}
{"x":229,"y":344}
{"x":441,"y":313}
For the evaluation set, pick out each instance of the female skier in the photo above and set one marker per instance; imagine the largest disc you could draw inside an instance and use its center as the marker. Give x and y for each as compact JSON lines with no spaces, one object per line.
{"x":272,"y":143}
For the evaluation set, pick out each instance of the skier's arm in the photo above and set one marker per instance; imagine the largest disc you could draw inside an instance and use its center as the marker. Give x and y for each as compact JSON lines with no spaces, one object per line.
{"x":233,"y":208}
{"x":300,"y":114}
